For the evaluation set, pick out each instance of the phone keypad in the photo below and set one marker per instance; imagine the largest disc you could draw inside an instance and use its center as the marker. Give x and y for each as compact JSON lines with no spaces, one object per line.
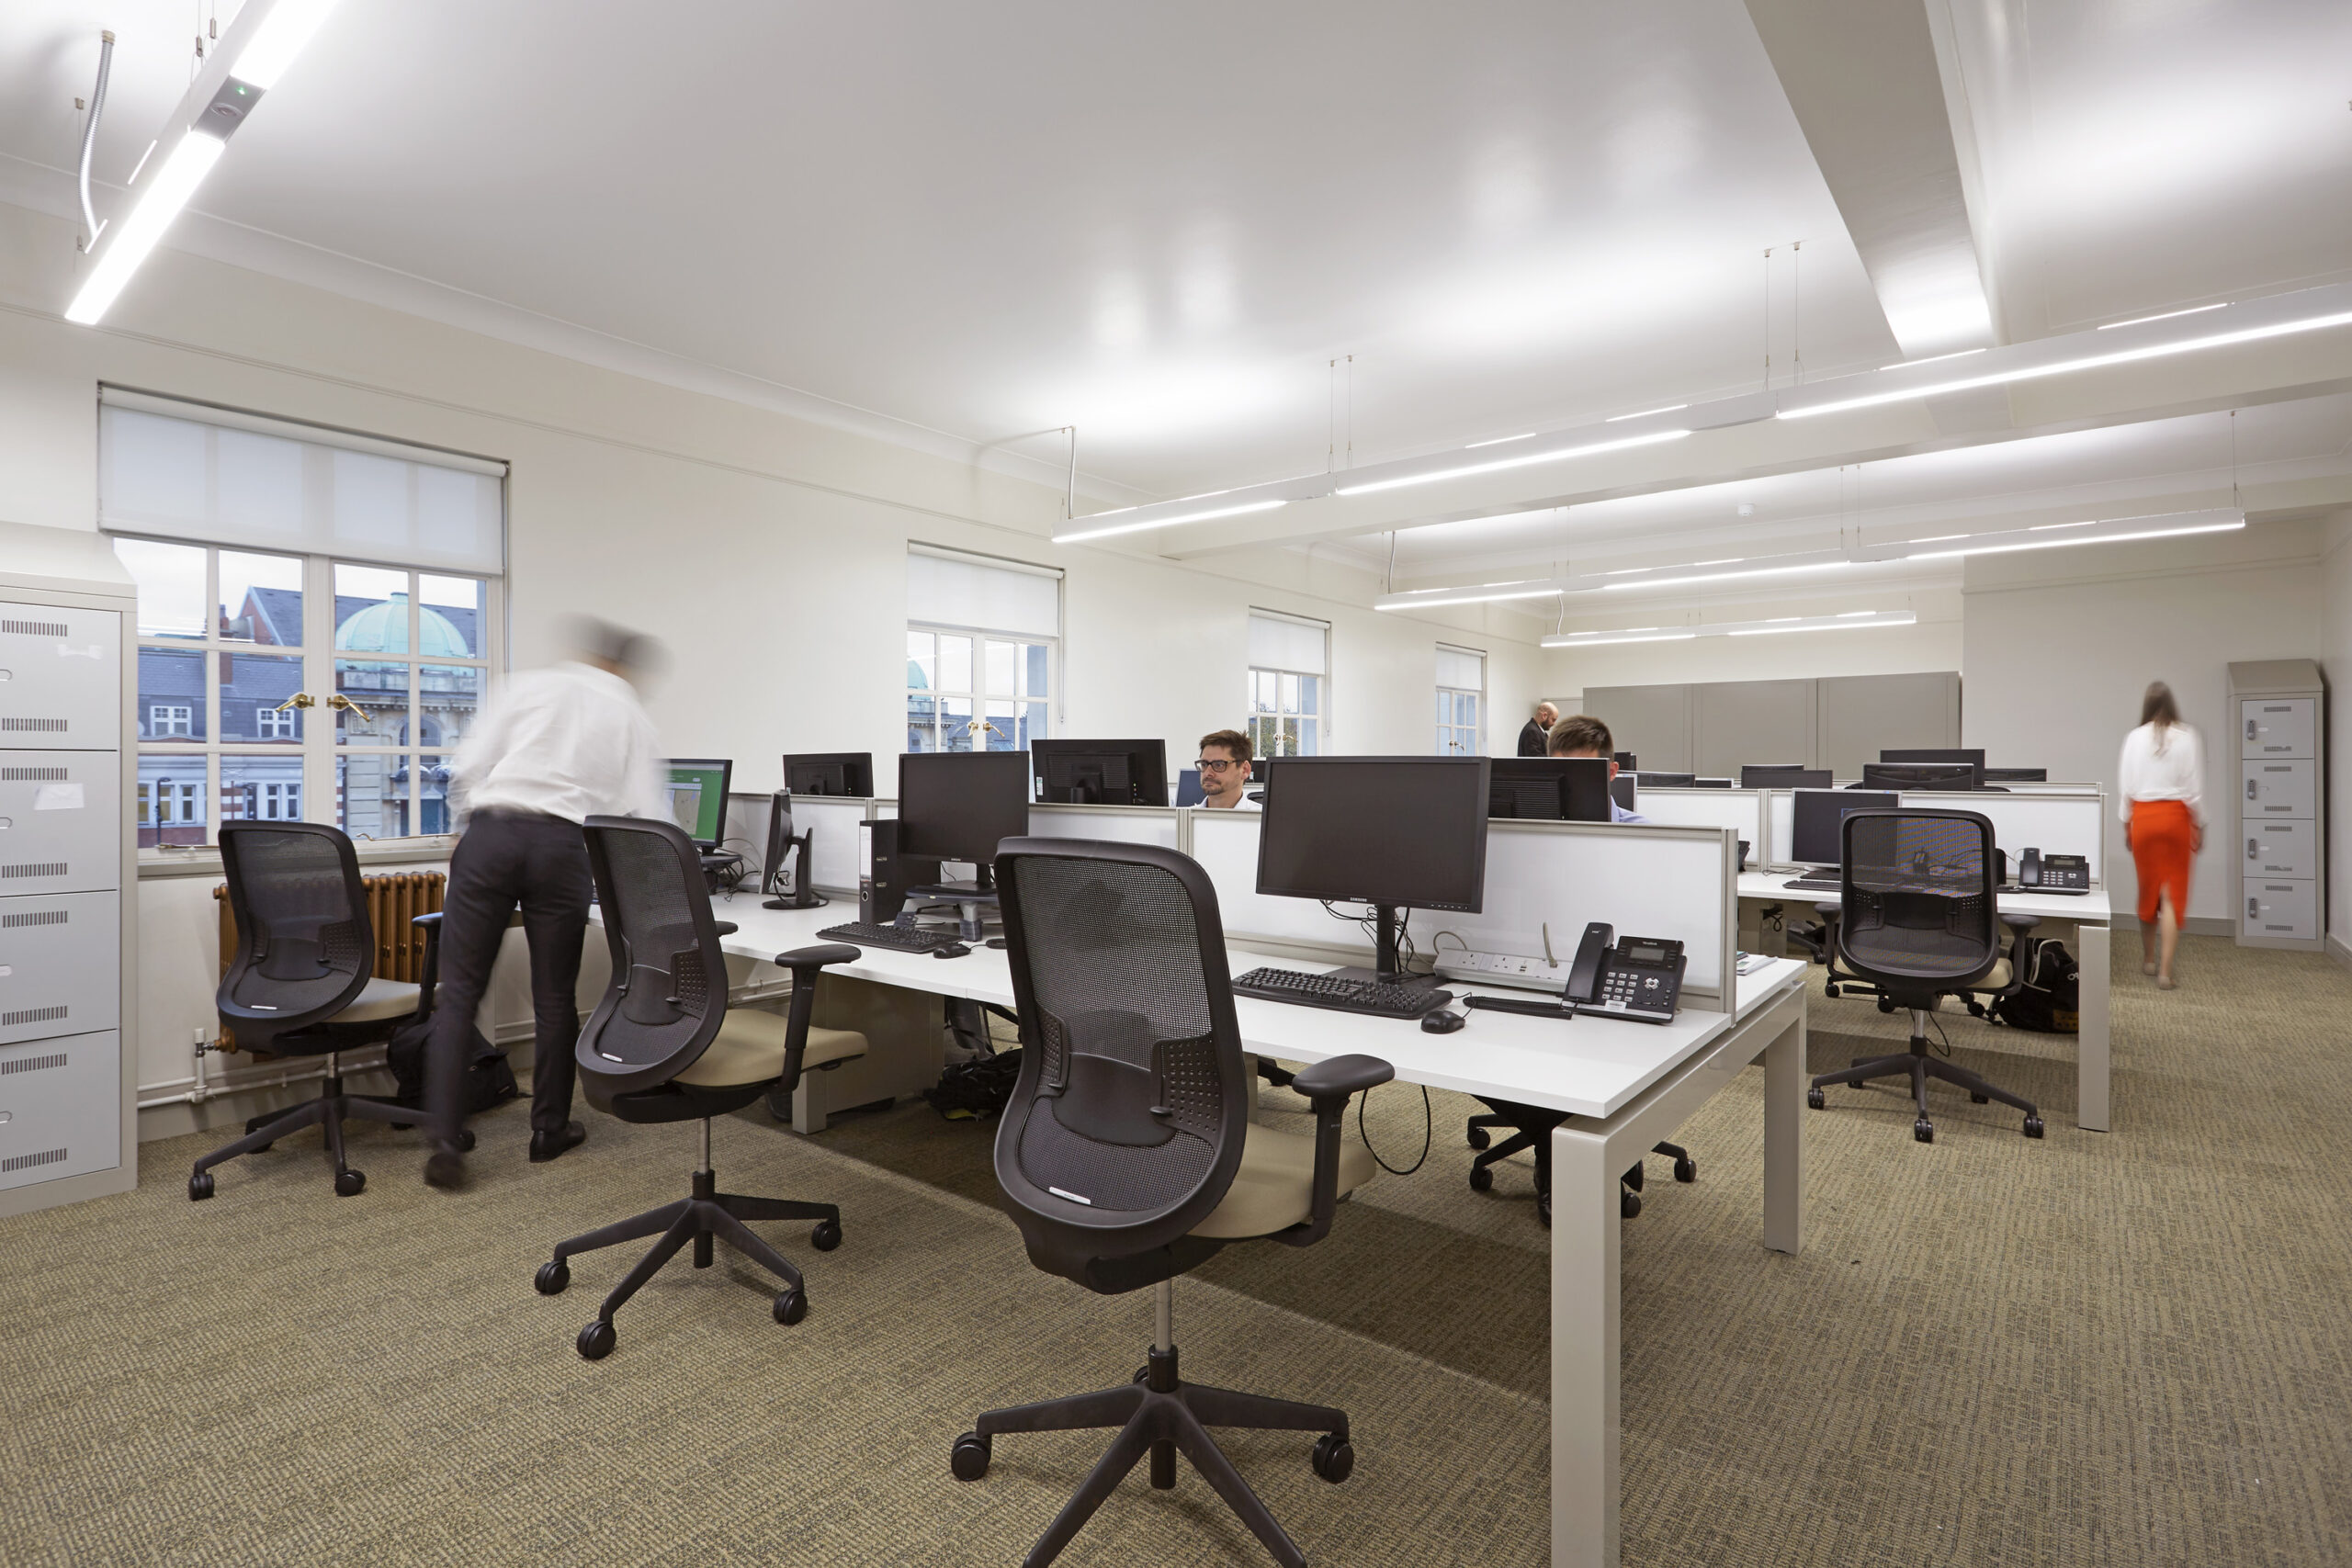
{"x":1633,"y":988}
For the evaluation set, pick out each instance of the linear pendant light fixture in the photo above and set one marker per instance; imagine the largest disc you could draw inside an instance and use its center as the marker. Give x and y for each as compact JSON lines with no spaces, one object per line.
{"x":2058,"y":536}
{"x":1100,"y":529}
{"x":260,"y":44}
{"x":1852,"y":620}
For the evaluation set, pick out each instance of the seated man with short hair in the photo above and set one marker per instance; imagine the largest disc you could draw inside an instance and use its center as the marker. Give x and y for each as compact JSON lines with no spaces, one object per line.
{"x":1582,"y":735}
{"x":1225,"y":769}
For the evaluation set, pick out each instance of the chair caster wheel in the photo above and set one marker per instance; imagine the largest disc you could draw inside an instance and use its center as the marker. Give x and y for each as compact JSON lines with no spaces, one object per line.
{"x":1482,"y":1178}
{"x":2033,"y":1127}
{"x":1980,"y":1099}
{"x":1478,"y":1138}
{"x":596,"y":1340}
{"x":969,"y":1458}
{"x":1885,"y":1004}
{"x":1543,"y":1208}
{"x":1629,"y":1205}
{"x":1334,"y":1458}
{"x":199,"y":1187}
{"x":1817,"y":1100}
{"x":552,"y":1277}
{"x":826,"y":1236}
{"x":791,"y":1307}
{"x":1976,"y":1009}
{"x":1924,"y":1129}
{"x":1686,"y":1170}
{"x":466,"y":1140}
{"x":1829,"y":991}
{"x":350,"y":1183}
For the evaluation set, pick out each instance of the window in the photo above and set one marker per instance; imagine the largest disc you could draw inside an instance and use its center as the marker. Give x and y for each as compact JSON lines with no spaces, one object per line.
{"x":292,"y":686}
{"x":983,"y":640}
{"x":1289,"y":713}
{"x":1461,"y":702}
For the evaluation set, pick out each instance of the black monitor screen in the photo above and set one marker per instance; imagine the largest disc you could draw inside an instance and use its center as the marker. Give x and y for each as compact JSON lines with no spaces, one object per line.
{"x":957,"y":805}
{"x":2014,"y":775}
{"x":1813,"y":837}
{"x":1101,"y":773}
{"x":1974,"y":754}
{"x":1768,"y":776}
{"x":1919,"y":775}
{"x":1409,"y":831}
{"x":1668,"y":781}
{"x":830,"y":772}
{"x":1550,"y":789}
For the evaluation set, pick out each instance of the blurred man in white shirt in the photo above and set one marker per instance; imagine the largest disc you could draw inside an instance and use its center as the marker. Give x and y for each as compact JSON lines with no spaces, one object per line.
{"x":555,"y":747}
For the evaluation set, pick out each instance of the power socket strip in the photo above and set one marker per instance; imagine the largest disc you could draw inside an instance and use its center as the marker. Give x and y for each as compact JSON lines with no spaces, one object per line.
{"x":1503,"y":969}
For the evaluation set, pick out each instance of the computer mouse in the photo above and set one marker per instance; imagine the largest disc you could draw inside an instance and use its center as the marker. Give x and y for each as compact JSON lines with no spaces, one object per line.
{"x":1442,"y":1022}
{"x":996,"y":942}
{"x":953,"y":950}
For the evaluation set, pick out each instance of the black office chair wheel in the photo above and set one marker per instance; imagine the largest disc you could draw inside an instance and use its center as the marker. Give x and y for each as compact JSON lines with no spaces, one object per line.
{"x":2033,"y":1127}
{"x":1975,"y":1008}
{"x":199,"y":1187}
{"x":1924,"y":1129}
{"x":596,"y":1340}
{"x":826,"y":1236}
{"x":350,"y":1183}
{"x":1686,"y":1170}
{"x":1816,"y":1098}
{"x":1886,"y":1004}
{"x":1980,"y":1099}
{"x":1478,"y":1138}
{"x":1143,"y":1374}
{"x":552,"y":1277}
{"x":1334,"y":1458}
{"x":791,"y":1307}
{"x":1482,"y":1178}
{"x":969,"y":1458}
{"x":466,"y":1140}
{"x":1628,"y":1203}
{"x":1829,"y":991}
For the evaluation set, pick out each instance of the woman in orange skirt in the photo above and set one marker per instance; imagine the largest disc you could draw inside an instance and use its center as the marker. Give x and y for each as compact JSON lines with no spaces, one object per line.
{"x":2161,"y":781}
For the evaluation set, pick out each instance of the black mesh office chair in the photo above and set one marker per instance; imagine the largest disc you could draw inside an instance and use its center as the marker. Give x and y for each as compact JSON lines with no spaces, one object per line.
{"x":1530,"y":1128}
{"x":663,"y":1046}
{"x":1129,"y":1157}
{"x":301,"y":982}
{"x":1917,"y":920}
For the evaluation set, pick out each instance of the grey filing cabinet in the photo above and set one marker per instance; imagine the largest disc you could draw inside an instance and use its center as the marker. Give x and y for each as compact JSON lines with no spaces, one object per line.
{"x":2279,"y":709}
{"x":68,"y":869}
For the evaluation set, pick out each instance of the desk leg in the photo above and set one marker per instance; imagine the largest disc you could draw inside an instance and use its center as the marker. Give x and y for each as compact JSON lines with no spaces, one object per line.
{"x":2092,"y":1108}
{"x":1784,"y":1113}
{"x":1585,"y":1252}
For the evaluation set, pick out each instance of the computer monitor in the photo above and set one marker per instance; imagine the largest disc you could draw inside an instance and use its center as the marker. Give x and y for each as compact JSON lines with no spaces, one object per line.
{"x":2014,"y":775}
{"x":958,"y":805}
{"x":1101,"y":773}
{"x":1626,"y":763}
{"x":1668,"y":781}
{"x":698,"y":797}
{"x":1261,"y":777}
{"x":1816,"y":833}
{"x":1549,"y":789}
{"x":1974,"y":754}
{"x":1920,"y":775}
{"x":1623,"y":791}
{"x":1395,"y":832}
{"x":1778,"y":776}
{"x":1188,"y":788}
{"x":1711,"y":783}
{"x":830,"y":772}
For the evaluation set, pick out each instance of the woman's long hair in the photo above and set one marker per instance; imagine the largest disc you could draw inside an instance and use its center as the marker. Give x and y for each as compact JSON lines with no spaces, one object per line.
{"x":2158,"y":708}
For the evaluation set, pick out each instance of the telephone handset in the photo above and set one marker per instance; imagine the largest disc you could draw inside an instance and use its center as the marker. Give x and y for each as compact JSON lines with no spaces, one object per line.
{"x":1640,"y":977}
{"x":2029,"y":869}
{"x":1584,"y":975}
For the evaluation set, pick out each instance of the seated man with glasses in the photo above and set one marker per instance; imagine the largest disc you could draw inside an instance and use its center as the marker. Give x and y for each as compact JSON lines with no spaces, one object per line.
{"x":1225,"y":769}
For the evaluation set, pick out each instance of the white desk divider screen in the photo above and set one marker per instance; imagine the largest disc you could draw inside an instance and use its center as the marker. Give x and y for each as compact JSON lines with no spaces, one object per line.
{"x":2054,"y":824}
{"x":1741,"y":811}
{"x":1654,"y":881}
{"x":831,"y":824}
{"x":1120,"y":824}
{"x":1780,"y":826}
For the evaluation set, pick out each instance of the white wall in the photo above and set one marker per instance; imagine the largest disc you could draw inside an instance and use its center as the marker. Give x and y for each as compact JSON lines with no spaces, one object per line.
{"x":2336,"y":644}
{"x":2060,"y":645}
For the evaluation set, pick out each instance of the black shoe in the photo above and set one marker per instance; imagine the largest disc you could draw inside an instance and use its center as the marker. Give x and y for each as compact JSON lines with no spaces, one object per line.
{"x":445,"y":1169}
{"x":546,"y":1146}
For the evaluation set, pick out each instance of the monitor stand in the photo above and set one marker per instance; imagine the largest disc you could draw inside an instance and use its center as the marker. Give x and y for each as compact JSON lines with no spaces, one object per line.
{"x":1387,"y":970}
{"x":970,"y":899}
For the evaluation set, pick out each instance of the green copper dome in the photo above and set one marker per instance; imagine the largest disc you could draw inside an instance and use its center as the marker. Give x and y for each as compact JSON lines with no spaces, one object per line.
{"x":383,"y":628}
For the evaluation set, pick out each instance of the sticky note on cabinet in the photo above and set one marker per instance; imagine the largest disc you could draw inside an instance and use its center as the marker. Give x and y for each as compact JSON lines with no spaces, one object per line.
{"x":58,"y":798}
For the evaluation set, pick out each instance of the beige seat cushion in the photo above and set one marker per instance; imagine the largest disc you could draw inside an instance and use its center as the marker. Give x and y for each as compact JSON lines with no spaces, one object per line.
{"x":1274,"y":1189}
{"x":1999,"y":980}
{"x":382,"y":999}
{"x":751,"y":1045}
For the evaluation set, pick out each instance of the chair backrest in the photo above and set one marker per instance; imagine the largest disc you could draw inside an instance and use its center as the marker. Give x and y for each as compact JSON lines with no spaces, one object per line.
{"x":305,"y":946}
{"x":1126,"y":1122}
{"x":668,"y":995}
{"x":1917,"y":895}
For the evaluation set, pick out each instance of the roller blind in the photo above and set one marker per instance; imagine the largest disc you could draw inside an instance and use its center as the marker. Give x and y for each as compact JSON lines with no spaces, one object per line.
{"x":183,"y":471}
{"x":1464,"y":668}
{"x":948,"y":588}
{"x":1287,"y":642}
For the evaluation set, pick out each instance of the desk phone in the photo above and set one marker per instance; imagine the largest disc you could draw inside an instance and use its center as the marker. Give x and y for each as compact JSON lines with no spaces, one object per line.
{"x":1639,"y":977}
{"x":2056,"y":874}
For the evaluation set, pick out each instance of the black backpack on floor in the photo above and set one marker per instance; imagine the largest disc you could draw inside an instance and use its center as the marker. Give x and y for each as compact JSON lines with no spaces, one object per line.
{"x":2050,"y":1000}
{"x":490,"y":1078}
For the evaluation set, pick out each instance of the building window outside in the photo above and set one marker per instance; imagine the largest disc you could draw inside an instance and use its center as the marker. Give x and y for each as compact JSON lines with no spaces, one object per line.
{"x":1461,"y":702}
{"x":169,"y":722}
{"x":983,"y":651}
{"x":1288,"y":705}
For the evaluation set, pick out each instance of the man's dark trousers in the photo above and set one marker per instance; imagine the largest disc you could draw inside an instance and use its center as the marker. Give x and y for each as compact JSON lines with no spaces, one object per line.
{"x":508,"y":858}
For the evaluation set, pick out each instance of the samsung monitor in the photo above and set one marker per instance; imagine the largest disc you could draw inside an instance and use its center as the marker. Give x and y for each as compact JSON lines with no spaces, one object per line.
{"x":1549,"y":789}
{"x":1815,"y":836}
{"x":1974,"y":754}
{"x":2014,"y":775}
{"x":1776,"y":775}
{"x":1920,"y":775}
{"x":830,"y":772}
{"x":1668,"y":781}
{"x":958,"y":805}
{"x":697,"y":787}
{"x":1400,"y":833}
{"x":1101,"y":773}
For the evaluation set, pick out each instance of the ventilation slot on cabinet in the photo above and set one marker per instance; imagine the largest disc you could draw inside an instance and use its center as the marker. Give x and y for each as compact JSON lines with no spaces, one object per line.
{"x":35,"y":868}
{"x":32,"y":1064}
{"x":30,"y":1015}
{"x":26,"y":1162}
{"x":34,"y":726}
{"x":32,"y":775}
{"x":37,"y":917}
{"x":35,"y":628}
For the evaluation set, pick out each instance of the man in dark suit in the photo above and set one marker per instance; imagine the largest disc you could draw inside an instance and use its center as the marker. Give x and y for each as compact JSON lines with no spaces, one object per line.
{"x":1534,"y":737}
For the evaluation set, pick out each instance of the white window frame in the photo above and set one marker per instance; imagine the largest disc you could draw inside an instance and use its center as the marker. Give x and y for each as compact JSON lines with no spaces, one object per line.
{"x":982,"y":729}
{"x":1452,"y":741}
{"x":1276,"y":696}
{"x":171,"y":721}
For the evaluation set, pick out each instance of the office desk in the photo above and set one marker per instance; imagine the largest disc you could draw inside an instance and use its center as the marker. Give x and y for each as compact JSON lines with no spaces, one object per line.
{"x":2089,"y":918}
{"x":1625,"y":1086}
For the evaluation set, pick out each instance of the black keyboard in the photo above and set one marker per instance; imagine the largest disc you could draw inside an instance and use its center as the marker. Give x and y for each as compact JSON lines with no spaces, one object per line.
{"x":1340,"y":993}
{"x":899,"y":939}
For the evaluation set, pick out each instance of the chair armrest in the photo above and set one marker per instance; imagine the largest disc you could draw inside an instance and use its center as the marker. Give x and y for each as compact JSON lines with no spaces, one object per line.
{"x":1329,"y":1085}
{"x":725,"y":927}
{"x":818,"y":956}
{"x":806,"y":962}
{"x":1340,"y":1076}
{"x":2020,"y":923}
{"x":1829,"y":909}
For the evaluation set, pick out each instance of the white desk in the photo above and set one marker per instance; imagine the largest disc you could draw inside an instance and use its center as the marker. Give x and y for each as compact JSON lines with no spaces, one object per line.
{"x":1625,"y":1084}
{"x":2089,"y":915}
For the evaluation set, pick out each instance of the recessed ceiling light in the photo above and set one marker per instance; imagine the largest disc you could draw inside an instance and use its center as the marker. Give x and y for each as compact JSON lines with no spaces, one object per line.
{"x":1526,"y":435}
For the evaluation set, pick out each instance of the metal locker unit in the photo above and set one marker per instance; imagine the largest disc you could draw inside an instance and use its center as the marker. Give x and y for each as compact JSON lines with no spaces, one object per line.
{"x":2278,"y":874}
{"x":68,"y":869}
